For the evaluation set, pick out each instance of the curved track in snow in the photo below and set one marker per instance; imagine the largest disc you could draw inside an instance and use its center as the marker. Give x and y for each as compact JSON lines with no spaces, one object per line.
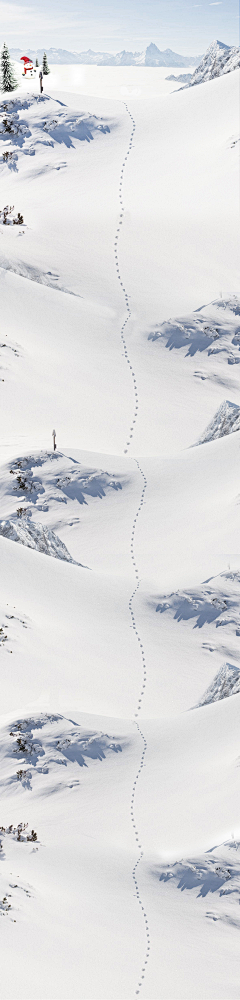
{"x":126,"y":321}
{"x":135,"y":568}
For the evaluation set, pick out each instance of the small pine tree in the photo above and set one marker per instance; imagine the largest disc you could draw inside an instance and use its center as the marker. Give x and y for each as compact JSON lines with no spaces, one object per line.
{"x":37,"y":63}
{"x":45,"y":65}
{"x":8,"y":81}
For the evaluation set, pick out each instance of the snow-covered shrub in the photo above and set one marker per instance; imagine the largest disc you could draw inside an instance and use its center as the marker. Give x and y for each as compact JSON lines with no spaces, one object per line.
{"x":8,"y":219}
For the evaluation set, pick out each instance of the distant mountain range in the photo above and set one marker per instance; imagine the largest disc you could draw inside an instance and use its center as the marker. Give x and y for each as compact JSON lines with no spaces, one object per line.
{"x":152,"y":56}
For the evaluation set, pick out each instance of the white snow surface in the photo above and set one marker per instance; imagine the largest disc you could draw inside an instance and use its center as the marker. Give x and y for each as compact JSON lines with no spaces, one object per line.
{"x":120,"y":327}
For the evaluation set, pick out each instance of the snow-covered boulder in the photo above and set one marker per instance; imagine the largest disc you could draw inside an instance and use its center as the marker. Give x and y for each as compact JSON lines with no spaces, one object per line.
{"x":219,"y":59}
{"x":225,"y":683}
{"x":225,"y":421}
{"x":36,"y":536}
{"x":182,"y":78}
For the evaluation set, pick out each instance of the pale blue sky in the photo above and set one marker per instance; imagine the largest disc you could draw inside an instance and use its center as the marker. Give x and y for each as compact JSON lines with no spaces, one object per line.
{"x":184,"y":26}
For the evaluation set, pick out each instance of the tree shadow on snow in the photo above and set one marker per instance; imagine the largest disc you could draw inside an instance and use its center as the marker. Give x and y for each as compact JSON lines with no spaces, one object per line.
{"x":203,"y":609}
{"x":56,"y":749}
{"x":61,"y":127}
{"x":198,"y":334}
{"x":93,"y":486}
{"x":207,"y":878}
{"x":77,"y":484}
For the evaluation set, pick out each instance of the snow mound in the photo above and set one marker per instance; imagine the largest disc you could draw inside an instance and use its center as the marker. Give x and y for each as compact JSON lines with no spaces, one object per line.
{"x":45,"y":476}
{"x":206,"y":874}
{"x":213,"y":330}
{"x":48,"y":122}
{"x":36,"y":536}
{"x":216,"y":601}
{"x":218,"y":60}
{"x":225,"y":683}
{"x":225,"y":421}
{"x":44,"y":743}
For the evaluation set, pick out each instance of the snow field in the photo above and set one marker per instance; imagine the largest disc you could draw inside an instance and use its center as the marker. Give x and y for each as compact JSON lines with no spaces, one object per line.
{"x":90,"y":322}
{"x":126,"y":644}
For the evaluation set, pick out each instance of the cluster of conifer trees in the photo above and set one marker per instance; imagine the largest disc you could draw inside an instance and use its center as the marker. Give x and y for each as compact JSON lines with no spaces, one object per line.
{"x":8,"y":80}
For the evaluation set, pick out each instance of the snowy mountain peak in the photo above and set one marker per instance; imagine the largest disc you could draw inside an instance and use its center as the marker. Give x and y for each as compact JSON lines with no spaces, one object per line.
{"x":152,"y":49}
{"x":225,"y":684}
{"x":218,"y":60}
{"x":216,"y":45}
{"x":226,"y":421}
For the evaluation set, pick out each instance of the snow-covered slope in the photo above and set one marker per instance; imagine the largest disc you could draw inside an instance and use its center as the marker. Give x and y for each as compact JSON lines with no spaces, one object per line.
{"x":47,"y":268}
{"x":120,"y":328}
{"x":218,"y":60}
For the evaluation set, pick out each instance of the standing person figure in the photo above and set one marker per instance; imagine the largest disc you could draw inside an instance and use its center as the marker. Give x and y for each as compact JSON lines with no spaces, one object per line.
{"x":41,"y":81}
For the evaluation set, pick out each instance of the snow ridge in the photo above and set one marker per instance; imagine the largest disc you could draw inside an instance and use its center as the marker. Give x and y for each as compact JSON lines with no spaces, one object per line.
{"x":121,"y":283}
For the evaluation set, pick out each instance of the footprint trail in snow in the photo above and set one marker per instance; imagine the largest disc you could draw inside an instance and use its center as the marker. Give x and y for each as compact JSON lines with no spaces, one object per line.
{"x":134,"y":626}
{"x":126,"y":296}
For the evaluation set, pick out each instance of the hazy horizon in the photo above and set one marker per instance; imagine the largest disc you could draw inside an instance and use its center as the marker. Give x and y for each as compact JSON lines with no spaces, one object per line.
{"x":184,"y":27}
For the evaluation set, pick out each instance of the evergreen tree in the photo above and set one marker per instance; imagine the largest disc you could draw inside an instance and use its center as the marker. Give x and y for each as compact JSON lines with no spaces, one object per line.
{"x":45,"y":65}
{"x":7,"y":81}
{"x":37,"y":63}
